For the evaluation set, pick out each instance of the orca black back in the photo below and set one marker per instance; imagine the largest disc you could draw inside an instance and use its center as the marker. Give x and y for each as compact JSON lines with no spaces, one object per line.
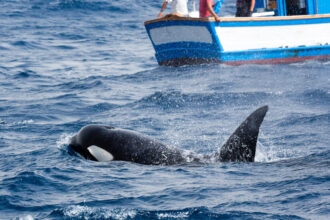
{"x":105,"y":143}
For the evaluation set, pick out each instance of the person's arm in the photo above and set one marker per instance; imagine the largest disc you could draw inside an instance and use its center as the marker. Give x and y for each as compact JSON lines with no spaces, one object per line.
{"x":253,"y":2}
{"x":163,"y":9}
{"x":210,"y":8}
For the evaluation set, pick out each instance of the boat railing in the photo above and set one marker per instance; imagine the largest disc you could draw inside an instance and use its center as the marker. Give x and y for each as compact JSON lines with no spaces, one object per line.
{"x":231,"y":19}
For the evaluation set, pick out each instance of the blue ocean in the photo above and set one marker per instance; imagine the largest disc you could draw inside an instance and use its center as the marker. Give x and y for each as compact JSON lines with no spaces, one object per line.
{"x":65,"y":64}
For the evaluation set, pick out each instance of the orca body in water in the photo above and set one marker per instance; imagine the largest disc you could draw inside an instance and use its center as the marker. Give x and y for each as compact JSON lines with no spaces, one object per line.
{"x":105,"y":143}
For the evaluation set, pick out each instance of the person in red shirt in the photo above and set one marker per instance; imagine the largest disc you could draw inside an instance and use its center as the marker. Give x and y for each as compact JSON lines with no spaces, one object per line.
{"x":206,"y":9}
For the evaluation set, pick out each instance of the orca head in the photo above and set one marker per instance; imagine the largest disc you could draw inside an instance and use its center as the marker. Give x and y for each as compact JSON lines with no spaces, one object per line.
{"x":89,"y":142}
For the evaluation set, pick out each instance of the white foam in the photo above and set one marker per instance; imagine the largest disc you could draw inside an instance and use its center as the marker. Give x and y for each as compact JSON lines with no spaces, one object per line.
{"x":86,"y":212}
{"x":76,"y":211}
{"x":64,"y":140}
{"x":173,"y":215}
{"x":270,"y":154}
{"x":27,"y":217}
{"x":261,"y":155}
{"x":24,"y":122}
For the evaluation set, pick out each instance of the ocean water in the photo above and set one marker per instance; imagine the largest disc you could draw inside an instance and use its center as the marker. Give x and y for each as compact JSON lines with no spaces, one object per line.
{"x":68,"y":63}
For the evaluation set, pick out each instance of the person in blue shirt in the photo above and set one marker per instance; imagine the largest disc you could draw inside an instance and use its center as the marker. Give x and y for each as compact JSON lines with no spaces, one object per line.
{"x":244,"y":8}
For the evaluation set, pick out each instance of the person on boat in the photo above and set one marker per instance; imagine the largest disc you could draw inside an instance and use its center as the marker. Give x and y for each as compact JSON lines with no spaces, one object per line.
{"x":206,"y":9}
{"x":179,"y":8}
{"x":245,"y":8}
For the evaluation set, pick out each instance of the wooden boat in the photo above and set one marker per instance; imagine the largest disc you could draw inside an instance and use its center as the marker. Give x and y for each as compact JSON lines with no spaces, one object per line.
{"x":274,"y":34}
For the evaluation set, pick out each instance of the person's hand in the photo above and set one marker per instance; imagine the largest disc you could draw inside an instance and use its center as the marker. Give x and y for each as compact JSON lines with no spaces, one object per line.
{"x":217,"y":18}
{"x":160,"y":15}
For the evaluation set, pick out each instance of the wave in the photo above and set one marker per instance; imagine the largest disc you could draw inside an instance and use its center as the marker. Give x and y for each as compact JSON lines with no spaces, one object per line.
{"x":85,"y":212}
{"x":86,"y":5}
{"x":26,"y":74}
{"x":81,"y":85}
{"x":316,"y":97}
{"x":26,"y":44}
{"x":315,"y":160}
{"x":176,"y":99}
{"x":100,"y":107}
{"x":39,"y":8}
{"x":3,"y":48}
{"x":303,"y":119}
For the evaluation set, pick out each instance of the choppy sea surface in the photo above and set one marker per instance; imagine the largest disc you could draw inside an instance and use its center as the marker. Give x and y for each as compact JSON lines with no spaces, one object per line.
{"x":68,"y":63}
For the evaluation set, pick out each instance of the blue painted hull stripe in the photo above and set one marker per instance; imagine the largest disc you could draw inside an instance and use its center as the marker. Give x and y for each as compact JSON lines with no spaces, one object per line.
{"x":243,"y":55}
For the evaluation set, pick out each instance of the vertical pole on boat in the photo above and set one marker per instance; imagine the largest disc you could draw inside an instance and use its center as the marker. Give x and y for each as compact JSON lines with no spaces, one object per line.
{"x":316,"y":8}
{"x":281,"y":7}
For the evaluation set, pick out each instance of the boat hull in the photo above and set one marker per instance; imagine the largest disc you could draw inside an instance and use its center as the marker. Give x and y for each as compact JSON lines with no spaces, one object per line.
{"x":180,"y":41}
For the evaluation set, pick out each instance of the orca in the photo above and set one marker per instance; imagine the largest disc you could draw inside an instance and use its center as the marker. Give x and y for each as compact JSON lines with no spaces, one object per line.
{"x":105,"y":143}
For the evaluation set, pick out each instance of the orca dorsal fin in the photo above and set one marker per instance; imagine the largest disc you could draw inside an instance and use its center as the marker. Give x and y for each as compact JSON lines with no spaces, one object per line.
{"x":241,"y":145}
{"x":100,"y":154}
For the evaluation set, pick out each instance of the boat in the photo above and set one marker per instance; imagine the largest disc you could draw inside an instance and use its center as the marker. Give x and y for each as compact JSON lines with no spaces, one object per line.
{"x":278,"y":31}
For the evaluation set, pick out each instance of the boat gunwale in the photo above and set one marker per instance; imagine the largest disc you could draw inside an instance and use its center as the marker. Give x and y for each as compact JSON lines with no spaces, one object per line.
{"x":233,"y":19}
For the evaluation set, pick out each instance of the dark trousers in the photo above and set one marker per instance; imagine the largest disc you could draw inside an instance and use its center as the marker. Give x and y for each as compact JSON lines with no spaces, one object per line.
{"x":243,"y":8}
{"x":243,"y":12}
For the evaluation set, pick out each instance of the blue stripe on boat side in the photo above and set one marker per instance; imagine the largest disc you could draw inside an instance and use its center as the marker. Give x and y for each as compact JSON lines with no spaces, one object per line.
{"x":272,"y":22}
{"x":275,"y":53}
{"x":278,"y":53}
{"x":186,"y":53}
{"x":187,"y":45}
